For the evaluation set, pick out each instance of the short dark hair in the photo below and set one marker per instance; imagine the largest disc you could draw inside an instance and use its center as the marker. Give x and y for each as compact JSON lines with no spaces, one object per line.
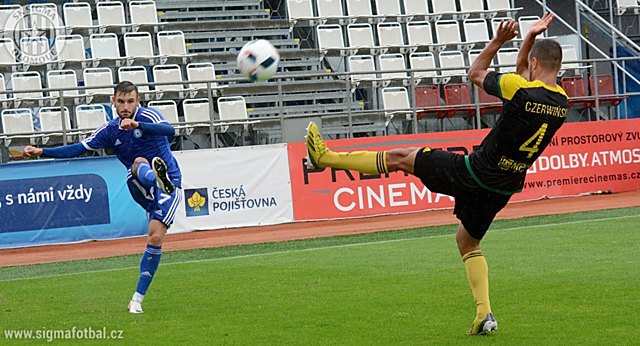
{"x":548,"y":52}
{"x":125,"y":87}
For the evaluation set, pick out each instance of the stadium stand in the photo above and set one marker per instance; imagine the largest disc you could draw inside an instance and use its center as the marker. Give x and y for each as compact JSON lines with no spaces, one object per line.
{"x":342,"y":61}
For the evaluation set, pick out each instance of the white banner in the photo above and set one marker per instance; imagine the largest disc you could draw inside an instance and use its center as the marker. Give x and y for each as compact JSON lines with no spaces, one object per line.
{"x":234,"y":187}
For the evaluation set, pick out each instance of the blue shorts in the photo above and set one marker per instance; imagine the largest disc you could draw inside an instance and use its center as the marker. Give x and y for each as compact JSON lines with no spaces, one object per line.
{"x":158,"y":205}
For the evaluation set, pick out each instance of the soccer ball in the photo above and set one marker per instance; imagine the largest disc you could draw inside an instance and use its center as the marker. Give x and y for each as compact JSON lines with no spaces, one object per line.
{"x":258,"y":60}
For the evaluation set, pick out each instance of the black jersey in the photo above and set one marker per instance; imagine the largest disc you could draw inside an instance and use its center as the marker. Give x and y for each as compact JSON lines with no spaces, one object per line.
{"x":532,"y":113}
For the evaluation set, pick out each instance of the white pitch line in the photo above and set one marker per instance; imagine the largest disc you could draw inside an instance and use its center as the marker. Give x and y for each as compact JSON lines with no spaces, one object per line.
{"x":320,"y":248}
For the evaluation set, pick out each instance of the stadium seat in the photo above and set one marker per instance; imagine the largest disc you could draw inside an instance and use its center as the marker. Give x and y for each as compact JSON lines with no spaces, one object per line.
{"x":390,"y":35}
{"x":51,"y":121}
{"x":448,"y":32}
{"x":365,"y":64}
{"x":360,"y":36}
{"x":302,"y":12}
{"x":361,"y":10}
{"x":417,"y":8}
{"x":196,"y":114}
{"x":105,"y":47}
{"x":393,"y":62}
{"x":622,"y":6}
{"x":136,"y":75}
{"x":444,"y":7}
{"x":569,"y":53}
{"x":472,"y":55}
{"x":17,"y":124}
{"x":331,"y":41}
{"x":457,"y":96}
{"x":35,"y":50}
{"x":70,"y":49}
{"x":12,"y":19}
{"x":167,"y":108}
{"x":576,"y":89}
{"x":502,"y":6}
{"x":450,"y":60}
{"x":419,"y":35}
{"x":143,"y":13}
{"x":391,"y":9}
{"x":473,"y":7}
{"x":8,"y":53}
{"x":167,"y":74}
{"x":138,"y":48}
{"x":62,"y":79}
{"x":507,"y":56}
{"x":201,"y":72}
{"x":428,"y":101}
{"x":424,"y":61}
{"x":395,"y":101}
{"x":98,"y":77}
{"x":27,"y":86}
{"x":604,"y":93}
{"x":90,"y":117}
{"x":331,"y":11}
{"x":232,"y":108}
{"x":111,"y":16}
{"x":172,"y":43}
{"x":78,"y":18}
{"x":525,"y":23}
{"x":476,"y":30}
{"x":45,"y":17}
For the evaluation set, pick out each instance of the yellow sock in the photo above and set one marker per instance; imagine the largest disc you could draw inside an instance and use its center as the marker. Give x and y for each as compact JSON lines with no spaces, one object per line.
{"x":367,"y":162}
{"x":478,"y":276}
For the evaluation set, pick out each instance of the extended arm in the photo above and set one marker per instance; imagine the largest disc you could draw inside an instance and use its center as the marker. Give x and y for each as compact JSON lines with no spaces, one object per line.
{"x":479,"y":70}
{"x":522,"y":62}
{"x":62,"y":152}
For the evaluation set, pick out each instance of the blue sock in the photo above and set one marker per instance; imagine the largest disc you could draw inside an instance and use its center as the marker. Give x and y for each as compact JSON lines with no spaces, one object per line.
{"x":146,"y":175}
{"x":148,"y":267}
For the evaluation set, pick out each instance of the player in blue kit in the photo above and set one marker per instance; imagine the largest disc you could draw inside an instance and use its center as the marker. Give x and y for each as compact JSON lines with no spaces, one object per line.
{"x":138,"y":136}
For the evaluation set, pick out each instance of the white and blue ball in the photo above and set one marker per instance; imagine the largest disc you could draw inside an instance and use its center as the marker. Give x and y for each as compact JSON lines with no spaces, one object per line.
{"x":258,"y":60}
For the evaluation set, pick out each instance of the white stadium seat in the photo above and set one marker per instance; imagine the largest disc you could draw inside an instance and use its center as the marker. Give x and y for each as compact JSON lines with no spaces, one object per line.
{"x":232,"y":108}
{"x":89,"y":117}
{"x":62,"y":79}
{"x":201,"y":72}
{"x":136,"y":75}
{"x":143,"y":12}
{"x":167,"y":108}
{"x":166,"y":74}
{"x":100,"y":77}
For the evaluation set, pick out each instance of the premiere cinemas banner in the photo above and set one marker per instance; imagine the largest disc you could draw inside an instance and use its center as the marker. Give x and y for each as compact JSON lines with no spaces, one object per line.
{"x":583,"y":157}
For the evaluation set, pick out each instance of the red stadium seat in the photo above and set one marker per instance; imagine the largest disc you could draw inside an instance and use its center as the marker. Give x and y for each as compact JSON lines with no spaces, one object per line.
{"x":576,"y":89}
{"x":457,"y":96}
{"x":428,"y":101}
{"x":606,"y":94}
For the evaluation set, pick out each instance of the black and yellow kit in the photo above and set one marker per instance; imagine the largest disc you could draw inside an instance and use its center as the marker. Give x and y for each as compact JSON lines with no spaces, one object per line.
{"x":484,"y":181}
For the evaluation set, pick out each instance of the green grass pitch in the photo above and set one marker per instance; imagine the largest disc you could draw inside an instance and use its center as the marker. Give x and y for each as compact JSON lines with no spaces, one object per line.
{"x":555,"y":280}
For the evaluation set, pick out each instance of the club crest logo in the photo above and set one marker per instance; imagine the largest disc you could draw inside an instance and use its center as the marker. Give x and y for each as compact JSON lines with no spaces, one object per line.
{"x":34,"y":30}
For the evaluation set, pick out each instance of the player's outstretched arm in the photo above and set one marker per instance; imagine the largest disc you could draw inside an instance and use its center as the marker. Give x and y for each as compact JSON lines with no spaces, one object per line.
{"x":522,"y":61}
{"x":478,"y":71}
{"x":61,"y":152}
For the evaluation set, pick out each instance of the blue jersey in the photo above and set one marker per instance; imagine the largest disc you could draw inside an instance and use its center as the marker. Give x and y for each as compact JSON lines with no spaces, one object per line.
{"x":130,"y":144}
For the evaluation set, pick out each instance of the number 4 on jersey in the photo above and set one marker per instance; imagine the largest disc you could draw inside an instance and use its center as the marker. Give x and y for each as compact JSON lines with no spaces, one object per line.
{"x":537,"y":138}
